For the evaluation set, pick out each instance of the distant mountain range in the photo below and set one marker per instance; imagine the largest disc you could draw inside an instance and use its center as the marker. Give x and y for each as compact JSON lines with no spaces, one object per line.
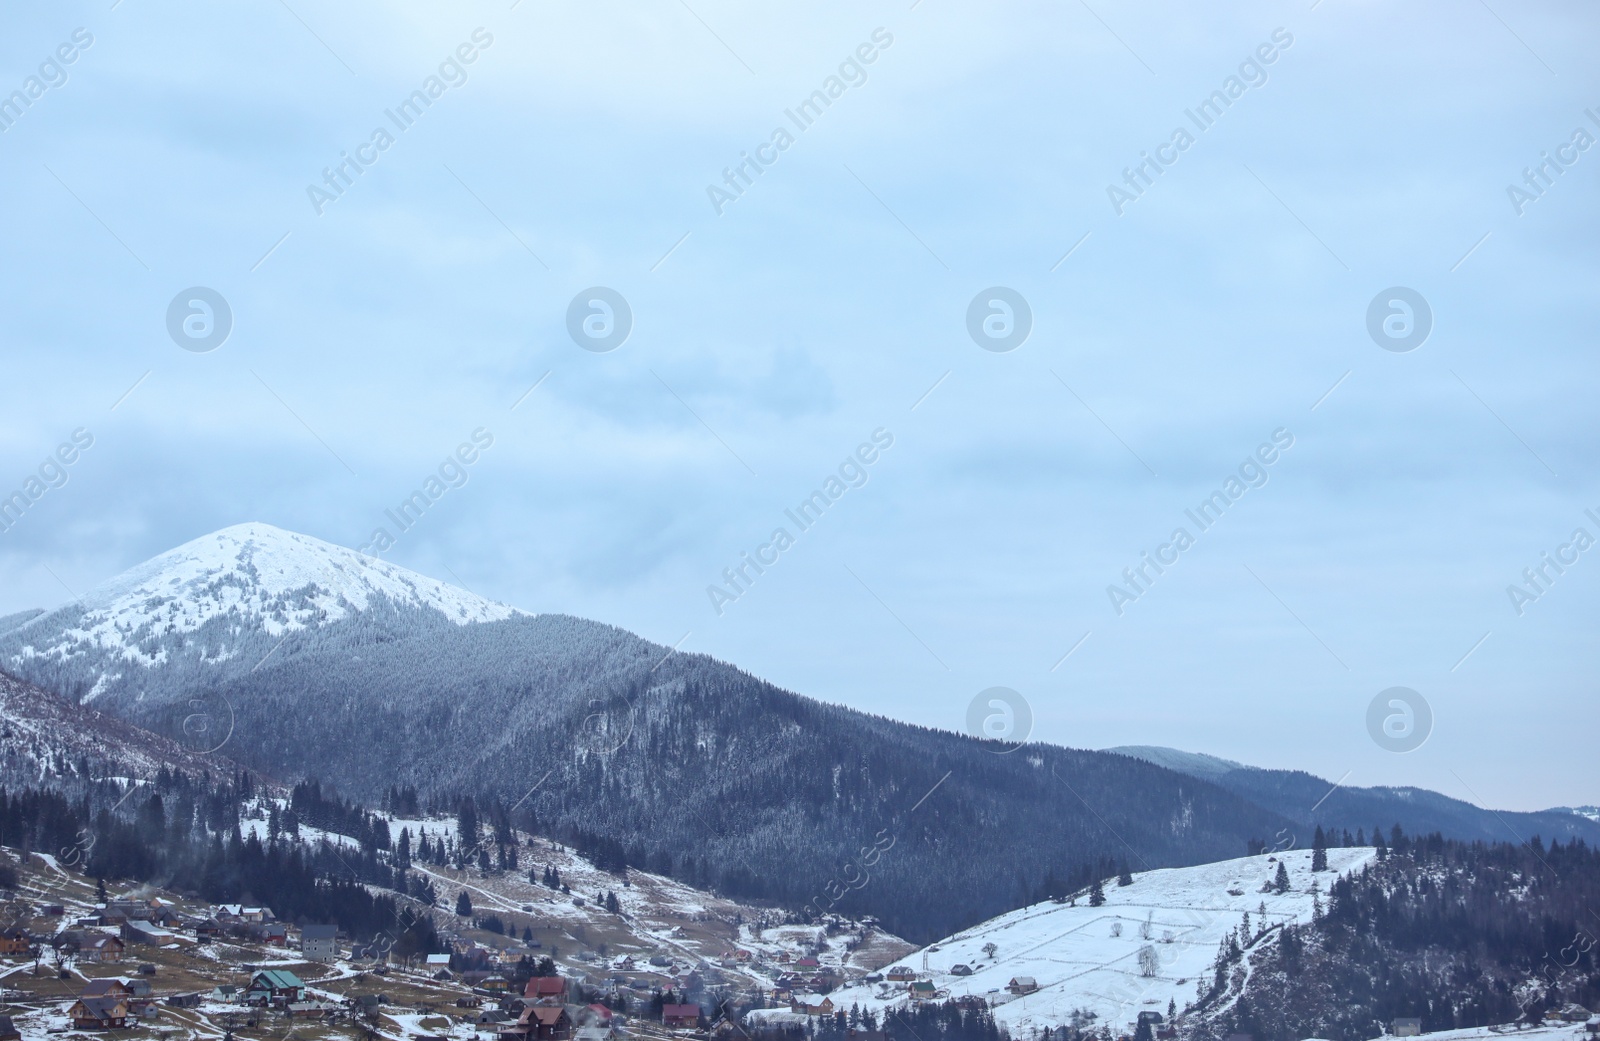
{"x":1308,"y":801}
{"x":299,"y":658}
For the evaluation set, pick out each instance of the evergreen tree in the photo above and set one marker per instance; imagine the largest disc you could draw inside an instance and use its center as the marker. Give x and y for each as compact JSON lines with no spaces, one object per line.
{"x":467,"y":827}
{"x":1280,"y":881}
{"x":464,"y":905}
{"x":1124,"y":876}
{"x":1319,"y":851}
{"x":1097,"y":894}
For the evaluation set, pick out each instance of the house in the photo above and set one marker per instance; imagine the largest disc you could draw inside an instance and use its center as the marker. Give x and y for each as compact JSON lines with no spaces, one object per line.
{"x":1408,"y":1027}
{"x":99,"y":1013}
{"x":495,"y":984}
{"x":680,"y":1016}
{"x":110,"y":987}
{"x":320,"y":942}
{"x":492,"y":1017}
{"x":142,"y":931}
{"x":274,"y":987}
{"x":101,"y":948}
{"x":960,"y":970}
{"x":1573,"y":1013}
{"x":900,"y":974}
{"x":435,"y":962}
{"x":186,"y":1000}
{"x":922,"y":990}
{"x":1021,"y":985}
{"x":208,"y":929}
{"x":226,"y":993}
{"x":806,"y":1008}
{"x":131,"y":910}
{"x":274,"y":933}
{"x":8,"y":1032}
{"x":549,"y":989}
{"x":52,"y":910}
{"x":542,"y":1023}
{"x":15,"y":942}
{"x":808,"y":962}
{"x":597,"y":1014}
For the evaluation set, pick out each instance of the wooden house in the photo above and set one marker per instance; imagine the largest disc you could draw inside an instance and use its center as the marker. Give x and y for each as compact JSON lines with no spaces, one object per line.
{"x":900,"y":974}
{"x":541,"y":1023}
{"x":548,"y":989}
{"x":99,"y":1013}
{"x":1021,"y":985}
{"x":110,"y":987}
{"x":680,"y":1016}
{"x":15,"y":943}
{"x":101,"y":948}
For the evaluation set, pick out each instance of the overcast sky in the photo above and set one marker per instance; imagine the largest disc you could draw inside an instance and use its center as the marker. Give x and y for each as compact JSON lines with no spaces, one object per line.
{"x":1175,"y":327}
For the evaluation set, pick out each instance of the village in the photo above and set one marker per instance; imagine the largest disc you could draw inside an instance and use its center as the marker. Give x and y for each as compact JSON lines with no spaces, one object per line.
{"x":74,"y":959}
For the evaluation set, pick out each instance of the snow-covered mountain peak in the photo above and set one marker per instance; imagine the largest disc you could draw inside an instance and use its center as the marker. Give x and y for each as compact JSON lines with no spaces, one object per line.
{"x":254,"y":566}
{"x":250,"y":578}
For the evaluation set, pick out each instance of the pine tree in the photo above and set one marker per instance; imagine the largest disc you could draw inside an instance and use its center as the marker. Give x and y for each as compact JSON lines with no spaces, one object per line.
{"x":1280,"y":881}
{"x":464,"y":905}
{"x":1097,"y":894}
{"x":1319,"y":851}
{"x":1124,"y":877}
{"x":467,"y":825}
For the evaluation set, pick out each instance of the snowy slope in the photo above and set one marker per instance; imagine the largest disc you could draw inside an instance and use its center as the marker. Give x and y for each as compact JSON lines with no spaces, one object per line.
{"x":223,"y":601}
{"x":1077,"y":961}
{"x":47,"y":739}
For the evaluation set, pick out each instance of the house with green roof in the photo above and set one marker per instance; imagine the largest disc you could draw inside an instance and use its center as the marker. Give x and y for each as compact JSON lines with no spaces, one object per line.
{"x":274,"y":987}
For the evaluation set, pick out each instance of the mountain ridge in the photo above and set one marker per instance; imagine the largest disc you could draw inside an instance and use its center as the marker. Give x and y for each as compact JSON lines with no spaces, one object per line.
{"x":364,"y":675}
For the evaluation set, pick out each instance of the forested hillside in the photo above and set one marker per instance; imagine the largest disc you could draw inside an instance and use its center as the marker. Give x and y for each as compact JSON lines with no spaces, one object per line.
{"x":1457,"y":934}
